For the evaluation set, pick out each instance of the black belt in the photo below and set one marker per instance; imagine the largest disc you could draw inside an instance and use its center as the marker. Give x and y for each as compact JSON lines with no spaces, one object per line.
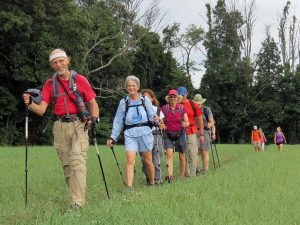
{"x":205,"y":128}
{"x":65,"y":118}
{"x":137,"y":125}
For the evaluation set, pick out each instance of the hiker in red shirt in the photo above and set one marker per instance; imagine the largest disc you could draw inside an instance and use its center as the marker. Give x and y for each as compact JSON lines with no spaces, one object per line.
{"x":194,"y":113}
{"x":70,"y":118}
{"x":256,"y":139}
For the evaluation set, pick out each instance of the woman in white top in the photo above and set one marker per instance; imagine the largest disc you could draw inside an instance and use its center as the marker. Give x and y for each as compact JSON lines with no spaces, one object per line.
{"x":157,"y":134}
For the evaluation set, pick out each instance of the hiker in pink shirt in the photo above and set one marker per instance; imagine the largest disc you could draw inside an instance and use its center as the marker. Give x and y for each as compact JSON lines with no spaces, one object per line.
{"x":262,"y":140}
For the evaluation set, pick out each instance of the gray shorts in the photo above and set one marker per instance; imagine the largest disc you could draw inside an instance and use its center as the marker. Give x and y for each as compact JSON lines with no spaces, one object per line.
{"x":179,"y":144}
{"x":207,"y":141}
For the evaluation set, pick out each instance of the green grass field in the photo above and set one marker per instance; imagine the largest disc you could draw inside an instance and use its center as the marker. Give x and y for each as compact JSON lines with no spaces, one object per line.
{"x":248,"y":188}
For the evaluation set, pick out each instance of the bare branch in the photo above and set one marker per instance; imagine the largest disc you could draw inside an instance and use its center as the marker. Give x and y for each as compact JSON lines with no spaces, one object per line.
{"x":97,"y":44}
{"x":132,"y":17}
{"x":248,"y":9}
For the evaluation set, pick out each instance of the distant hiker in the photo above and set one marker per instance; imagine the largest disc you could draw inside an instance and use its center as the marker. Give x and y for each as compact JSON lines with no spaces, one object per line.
{"x":209,"y":134}
{"x":194,"y":114}
{"x":256,"y":138}
{"x":262,"y":140}
{"x":176,"y":122}
{"x":279,"y":138}
{"x":135,"y":116}
{"x":68,"y":91}
{"x":157,"y":149}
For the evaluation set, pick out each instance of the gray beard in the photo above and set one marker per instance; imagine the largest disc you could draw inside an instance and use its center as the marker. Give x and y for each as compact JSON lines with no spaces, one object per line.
{"x":60,"y":72}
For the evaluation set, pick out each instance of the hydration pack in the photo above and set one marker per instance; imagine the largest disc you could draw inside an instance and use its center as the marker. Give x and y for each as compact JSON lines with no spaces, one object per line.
{"x":127,"y":106}
{"x":82,"y":111}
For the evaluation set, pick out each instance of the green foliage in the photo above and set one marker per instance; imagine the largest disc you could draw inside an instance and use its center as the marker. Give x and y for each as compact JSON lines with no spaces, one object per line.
{"x":8,"y":103}
{"x":187,"y":43}
{"x":106,"y":45}
{"x":220,"y":82}
{"x":92,"y":33}
{"x":103,"y":130}
{"x":156,"y":68}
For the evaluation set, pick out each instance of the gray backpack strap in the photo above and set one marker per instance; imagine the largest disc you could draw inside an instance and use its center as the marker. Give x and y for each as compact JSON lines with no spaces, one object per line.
{"x":126,"y":108}
{"x":167,"y":108}
{"x":54,"y":88}
{"x":181,"y":109}
{"x":72,"y":84}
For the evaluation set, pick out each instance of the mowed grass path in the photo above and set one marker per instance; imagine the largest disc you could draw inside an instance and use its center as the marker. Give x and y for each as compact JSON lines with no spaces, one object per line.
{"x":248,"y":188}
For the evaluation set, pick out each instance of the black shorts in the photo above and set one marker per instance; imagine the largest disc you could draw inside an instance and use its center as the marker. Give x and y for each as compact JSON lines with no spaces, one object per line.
{"x":179,"y":144}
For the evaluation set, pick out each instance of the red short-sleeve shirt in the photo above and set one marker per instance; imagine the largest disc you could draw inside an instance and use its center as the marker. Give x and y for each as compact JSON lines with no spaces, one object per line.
{"x":192,"y":129}
{"x":83,"y":87}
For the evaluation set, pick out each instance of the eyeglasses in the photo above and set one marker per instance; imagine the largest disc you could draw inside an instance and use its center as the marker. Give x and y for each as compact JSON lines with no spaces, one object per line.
{"x":172,"y":96}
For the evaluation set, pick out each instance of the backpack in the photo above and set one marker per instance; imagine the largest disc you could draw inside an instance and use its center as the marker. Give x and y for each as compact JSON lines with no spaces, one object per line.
{"x":82,"y":111}
{"x":127,"y":106}
{"x":193,"y":106}
{"x":173,"y":135}
{"x":205,"y":113}
{"x":180,"y":110}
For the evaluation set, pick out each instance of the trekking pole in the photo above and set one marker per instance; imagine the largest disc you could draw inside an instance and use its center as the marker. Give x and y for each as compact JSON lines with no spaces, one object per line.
{"x":26,"y":154}
{"x":217,"y":153}
{"x":99,"y":159}
{"x":212,"y":152}
{"x":121,"y":174}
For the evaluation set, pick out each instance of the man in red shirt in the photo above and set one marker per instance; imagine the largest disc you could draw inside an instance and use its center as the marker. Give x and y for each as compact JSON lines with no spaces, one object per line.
{"x":256,"y":139}
{"x":69,"y":128}
{"x":191,"y":131}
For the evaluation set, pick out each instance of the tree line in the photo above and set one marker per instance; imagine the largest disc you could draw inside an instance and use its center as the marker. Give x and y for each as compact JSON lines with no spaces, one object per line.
{"x":111,"y":39}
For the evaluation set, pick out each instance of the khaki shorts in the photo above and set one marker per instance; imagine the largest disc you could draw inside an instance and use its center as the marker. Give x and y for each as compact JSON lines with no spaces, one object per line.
{"x":207,"y":140}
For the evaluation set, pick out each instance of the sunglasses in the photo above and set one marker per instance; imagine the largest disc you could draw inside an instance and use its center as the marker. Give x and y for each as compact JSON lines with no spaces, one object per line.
{"x":172,"y":96}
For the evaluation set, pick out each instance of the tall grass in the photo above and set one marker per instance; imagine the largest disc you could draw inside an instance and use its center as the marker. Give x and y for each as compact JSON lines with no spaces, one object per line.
{"x":248,"y":188}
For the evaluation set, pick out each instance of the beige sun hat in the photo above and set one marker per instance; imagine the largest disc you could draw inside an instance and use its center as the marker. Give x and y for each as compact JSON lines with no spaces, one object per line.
{"x":173,"y":92}
{"x":198,"y":98}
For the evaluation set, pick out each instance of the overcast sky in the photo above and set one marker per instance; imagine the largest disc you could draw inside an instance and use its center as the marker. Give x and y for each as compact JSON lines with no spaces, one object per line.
{"x":194,"y":12}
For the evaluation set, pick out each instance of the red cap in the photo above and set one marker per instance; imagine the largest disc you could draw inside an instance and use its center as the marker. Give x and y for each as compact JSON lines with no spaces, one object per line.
{"x":172,"y":92}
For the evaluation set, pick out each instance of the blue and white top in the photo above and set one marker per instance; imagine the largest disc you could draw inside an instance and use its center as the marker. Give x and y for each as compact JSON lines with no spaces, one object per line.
{"x":135,"y":115}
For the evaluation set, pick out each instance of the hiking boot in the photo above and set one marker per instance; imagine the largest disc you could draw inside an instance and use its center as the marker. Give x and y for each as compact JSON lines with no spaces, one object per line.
{"x":147,"y":181}
{"x":74,"y":207}
{"x":169,"y":179}
{"x":158,"y":182}
{"x":202,"y":172}
{"x":151,"y":185}
{"x":128,"y":190}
